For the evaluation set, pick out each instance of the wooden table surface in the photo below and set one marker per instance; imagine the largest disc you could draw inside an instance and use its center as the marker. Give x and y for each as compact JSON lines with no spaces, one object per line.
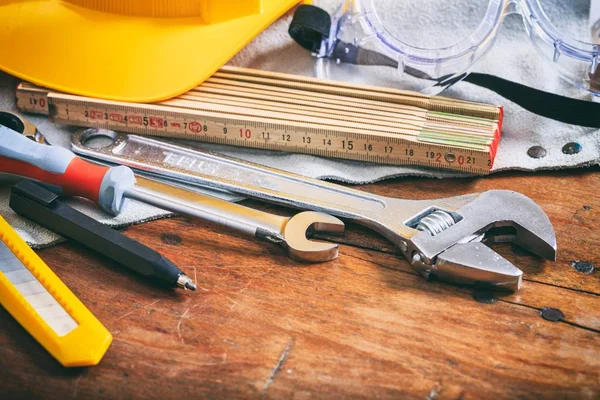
{"x":362,"y":326}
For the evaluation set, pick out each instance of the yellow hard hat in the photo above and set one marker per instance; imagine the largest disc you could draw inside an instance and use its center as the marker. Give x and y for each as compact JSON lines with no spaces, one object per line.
{"x":128,"y":50}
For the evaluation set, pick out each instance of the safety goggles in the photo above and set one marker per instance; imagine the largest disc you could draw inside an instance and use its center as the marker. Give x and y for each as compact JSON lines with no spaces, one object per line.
{"x":441,"y":41}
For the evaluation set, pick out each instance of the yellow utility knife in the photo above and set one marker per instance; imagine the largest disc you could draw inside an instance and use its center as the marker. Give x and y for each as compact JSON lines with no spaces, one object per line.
{"x":45,"y":306}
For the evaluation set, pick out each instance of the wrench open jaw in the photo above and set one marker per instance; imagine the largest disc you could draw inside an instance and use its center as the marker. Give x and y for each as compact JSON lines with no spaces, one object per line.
{"x":305,"y":224}
{"x":456,"y":251}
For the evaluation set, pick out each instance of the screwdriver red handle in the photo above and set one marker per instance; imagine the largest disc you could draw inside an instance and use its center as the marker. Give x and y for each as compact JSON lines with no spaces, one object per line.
{"x":61,"y":168}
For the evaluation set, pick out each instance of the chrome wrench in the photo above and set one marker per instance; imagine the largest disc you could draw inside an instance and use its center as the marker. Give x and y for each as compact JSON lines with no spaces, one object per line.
{"x":442,"y":237}
{"x":291,"y":232}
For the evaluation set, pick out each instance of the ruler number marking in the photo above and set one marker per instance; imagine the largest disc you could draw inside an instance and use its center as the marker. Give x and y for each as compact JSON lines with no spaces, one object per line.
{"x":276,"y":136}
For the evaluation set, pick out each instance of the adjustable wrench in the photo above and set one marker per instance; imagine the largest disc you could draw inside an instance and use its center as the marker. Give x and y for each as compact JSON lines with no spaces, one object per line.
{"x":110,"y":187}
{"x":442,"y":237}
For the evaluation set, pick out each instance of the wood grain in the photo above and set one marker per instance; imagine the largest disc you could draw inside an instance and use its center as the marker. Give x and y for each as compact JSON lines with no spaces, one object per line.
{"x":362,"y":326}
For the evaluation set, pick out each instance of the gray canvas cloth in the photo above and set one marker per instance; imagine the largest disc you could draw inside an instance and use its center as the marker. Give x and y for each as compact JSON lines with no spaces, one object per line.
{"x":513,"y":58}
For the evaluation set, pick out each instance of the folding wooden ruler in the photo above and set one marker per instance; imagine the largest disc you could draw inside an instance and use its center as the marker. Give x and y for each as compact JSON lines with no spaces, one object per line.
{"x":266,"y":110}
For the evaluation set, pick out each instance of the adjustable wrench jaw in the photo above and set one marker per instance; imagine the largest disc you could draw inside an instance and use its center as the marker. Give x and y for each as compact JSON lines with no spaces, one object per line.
{"x":471,"y":263}
{"x":454,"y":250}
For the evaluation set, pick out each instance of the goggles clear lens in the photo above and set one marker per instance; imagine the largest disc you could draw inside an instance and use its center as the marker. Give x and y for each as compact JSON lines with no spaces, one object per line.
{"x":434,"y":43}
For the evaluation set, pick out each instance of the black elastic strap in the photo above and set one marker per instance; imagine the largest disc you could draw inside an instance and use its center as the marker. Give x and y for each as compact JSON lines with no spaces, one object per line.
{"x":312,"y":24}
{"x":549,"y":105}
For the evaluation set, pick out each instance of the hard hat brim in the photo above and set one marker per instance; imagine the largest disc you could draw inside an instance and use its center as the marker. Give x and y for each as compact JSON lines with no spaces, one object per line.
{"x":139,"y":59}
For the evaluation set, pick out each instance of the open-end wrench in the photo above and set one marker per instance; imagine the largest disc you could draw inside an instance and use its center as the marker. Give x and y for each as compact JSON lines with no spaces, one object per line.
{"x":441,"y":237}
{"x":111,"y":186}
{"x":291,"y":232}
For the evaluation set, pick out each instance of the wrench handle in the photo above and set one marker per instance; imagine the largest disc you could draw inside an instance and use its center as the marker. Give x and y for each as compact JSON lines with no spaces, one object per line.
{"x":243,"y":219}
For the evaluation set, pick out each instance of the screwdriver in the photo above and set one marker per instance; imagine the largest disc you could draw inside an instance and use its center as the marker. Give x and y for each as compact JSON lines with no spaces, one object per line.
{"x":109,"y":187}
{"x":42,"y":206}
{"x":65,"y":171}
